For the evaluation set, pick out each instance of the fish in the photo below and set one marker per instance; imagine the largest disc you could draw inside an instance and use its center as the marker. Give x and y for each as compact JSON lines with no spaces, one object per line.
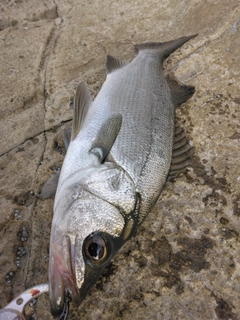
{"x":121,"y":149}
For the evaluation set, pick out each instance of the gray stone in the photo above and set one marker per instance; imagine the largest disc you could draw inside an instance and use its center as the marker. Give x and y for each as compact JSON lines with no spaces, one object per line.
{"x":184,"y":261}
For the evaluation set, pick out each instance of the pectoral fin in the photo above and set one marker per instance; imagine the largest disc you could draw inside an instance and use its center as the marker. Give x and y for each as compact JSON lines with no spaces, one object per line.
{"x":107,"y":136}
{"x":50,"y":187}
{"x":67,"y":132}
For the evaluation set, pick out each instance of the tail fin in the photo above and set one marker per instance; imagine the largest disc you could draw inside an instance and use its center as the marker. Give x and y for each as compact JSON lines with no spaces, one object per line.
{"x":164,"y":48}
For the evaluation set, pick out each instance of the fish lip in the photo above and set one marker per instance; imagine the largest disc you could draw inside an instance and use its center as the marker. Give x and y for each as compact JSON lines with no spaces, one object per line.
{"x":62,"y":279}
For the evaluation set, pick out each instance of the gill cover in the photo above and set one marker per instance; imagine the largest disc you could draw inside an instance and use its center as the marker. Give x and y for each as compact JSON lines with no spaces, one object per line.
{"x":92,"y":209}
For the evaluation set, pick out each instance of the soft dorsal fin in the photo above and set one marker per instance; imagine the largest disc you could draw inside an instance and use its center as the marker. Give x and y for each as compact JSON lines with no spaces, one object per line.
{"x":164,"y":49}
{"x":82,"y":103}
{"x":114,"y":63}
{"x":181,"y":153}
{"x":180,"y":93}
{"x":107,"y":136}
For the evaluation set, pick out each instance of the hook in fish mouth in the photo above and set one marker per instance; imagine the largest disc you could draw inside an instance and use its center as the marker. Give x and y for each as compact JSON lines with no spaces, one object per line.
{"x":62,"y":279}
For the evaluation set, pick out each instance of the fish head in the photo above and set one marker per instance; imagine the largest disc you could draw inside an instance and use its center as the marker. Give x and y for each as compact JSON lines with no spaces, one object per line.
{"x":93,"y":218}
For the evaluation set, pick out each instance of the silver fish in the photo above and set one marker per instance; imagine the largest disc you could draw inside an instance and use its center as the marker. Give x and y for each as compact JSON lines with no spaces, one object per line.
{"x":118,"y":159}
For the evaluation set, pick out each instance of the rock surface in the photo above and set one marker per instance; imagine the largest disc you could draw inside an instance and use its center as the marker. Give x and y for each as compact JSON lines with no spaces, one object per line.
{"x":184,"y":263}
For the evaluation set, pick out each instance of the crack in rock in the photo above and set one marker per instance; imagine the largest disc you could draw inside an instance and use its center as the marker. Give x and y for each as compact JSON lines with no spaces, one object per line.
{"x":35,"y":136}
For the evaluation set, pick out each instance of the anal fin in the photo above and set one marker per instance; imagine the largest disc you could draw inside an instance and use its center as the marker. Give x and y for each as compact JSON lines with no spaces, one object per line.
{"x":182,"y":151}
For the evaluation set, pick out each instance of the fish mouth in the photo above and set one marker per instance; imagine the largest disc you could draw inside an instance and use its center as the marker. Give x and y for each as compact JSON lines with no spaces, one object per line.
{"x":69,"y":274}
{"x":62,"y":279}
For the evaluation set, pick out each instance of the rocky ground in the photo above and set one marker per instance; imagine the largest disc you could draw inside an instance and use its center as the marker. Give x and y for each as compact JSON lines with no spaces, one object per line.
{"x":184,"y":262}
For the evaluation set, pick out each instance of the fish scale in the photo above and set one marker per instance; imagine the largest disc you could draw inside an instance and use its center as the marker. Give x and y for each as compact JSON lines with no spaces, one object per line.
{"x":142,"y":103}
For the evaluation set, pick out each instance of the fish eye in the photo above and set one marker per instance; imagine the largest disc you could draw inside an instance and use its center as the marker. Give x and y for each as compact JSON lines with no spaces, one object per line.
{"x":95,"y":249}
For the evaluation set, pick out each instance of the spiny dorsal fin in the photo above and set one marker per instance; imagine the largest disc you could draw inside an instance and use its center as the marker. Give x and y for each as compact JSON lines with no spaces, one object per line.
{"x":67,"y":132}
{"x":114,"y":63}
{"x":180,"y":93}
{"x":107,"y":136}
{"x":181,"y":153}
{"x":164,"y":48}
{"x":82,"y":103}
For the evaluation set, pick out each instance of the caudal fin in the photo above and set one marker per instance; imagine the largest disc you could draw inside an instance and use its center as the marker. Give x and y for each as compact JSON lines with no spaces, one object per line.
{"x":164,"y":48}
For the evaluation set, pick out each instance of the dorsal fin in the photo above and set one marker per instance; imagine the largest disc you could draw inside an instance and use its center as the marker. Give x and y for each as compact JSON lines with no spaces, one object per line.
{"x":180,"y":93}
{"x":114,"y":63}
{"x":107,"y":136}
{"x":82,"y":103}
{"x":181,"y":153}
{"x":164,"y":48}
